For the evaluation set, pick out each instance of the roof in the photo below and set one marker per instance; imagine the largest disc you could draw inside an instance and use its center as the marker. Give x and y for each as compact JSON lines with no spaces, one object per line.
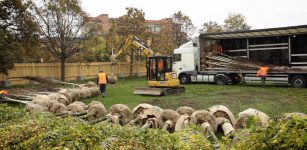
{"x":282,"y":31}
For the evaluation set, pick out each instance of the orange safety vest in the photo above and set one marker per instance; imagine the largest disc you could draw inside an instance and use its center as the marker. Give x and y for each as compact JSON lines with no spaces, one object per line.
{"x":102,"y":78}
{"x":160,"y":65}
{"x":4,"y":92}
{"x":262,"y":71}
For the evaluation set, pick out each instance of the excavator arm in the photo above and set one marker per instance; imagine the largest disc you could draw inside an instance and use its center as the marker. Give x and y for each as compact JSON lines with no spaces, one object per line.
{"x":132,"y":40}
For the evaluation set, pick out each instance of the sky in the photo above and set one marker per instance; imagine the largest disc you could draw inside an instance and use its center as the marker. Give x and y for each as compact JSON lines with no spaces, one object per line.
{"x":259,"y":13}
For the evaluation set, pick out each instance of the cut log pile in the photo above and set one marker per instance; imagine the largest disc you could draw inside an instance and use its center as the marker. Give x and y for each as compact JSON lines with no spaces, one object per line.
{"x":62,"y":101}
{"x":215,"y":60}
{"x":216,"y":119}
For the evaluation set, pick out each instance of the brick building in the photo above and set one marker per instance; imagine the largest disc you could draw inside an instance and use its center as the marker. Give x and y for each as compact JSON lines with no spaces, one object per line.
{"x":154,"y":26}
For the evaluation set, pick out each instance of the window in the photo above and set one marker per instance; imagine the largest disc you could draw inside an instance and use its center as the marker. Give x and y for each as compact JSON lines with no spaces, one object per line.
{"x":157,"y":28}
{"x":177,"y":57}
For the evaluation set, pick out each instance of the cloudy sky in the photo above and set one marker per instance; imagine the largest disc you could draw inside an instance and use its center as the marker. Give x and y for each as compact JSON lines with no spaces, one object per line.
{"x":259,"y":13}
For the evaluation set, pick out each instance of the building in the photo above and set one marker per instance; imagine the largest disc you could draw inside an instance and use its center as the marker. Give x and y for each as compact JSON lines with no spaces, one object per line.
{"x":103,"y":20}
{"x":154,"y":26}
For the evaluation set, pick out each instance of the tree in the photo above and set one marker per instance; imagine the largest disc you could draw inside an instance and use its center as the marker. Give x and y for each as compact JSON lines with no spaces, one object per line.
{"x":183,"y":28}
{"x":236,"y":22}
{"x":61,"y":24}
{"x":18,"y":33}
{"x":94,"y":49}
{"x":132,"y":23}
{"x":211,"y":26}
{"x":163,"y":42}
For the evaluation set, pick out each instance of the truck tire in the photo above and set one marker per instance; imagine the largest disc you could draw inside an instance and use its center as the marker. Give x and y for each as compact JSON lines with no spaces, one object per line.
{"x":298,"y":81}
{"x":184,"y":79}
{"x":221,"y":79}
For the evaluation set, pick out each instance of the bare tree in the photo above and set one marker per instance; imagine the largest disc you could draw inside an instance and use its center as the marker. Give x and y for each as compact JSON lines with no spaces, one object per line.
{"x":61,"y":23}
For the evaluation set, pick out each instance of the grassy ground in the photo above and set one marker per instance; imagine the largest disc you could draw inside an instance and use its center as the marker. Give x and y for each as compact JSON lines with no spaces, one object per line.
{"x":272,"y":99}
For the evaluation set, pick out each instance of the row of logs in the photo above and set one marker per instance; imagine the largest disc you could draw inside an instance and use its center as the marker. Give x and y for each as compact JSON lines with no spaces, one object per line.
{"x":63,"y":100}
{"x":216,"y":119}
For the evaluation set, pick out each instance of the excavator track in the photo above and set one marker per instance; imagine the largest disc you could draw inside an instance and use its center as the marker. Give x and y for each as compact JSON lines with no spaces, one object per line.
{"x":156,"y":91}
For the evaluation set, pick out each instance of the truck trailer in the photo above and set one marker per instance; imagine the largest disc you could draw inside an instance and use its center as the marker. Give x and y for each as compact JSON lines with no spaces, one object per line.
{"x":284,"y":48}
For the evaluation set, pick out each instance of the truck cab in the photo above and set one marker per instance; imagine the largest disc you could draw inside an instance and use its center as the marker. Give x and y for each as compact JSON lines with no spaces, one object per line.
{"x":186,"y":59}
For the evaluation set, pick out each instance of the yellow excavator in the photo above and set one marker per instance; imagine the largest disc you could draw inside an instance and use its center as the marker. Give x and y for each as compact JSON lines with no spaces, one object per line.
{"x":161,"y":79}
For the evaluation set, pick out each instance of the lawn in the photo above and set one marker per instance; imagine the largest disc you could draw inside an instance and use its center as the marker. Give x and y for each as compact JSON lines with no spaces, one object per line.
{"x":271,"y":99}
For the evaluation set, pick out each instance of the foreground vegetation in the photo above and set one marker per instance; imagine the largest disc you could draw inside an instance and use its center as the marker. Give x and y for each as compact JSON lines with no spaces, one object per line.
{"x":272,"y":100}
{"x":45,"y":131}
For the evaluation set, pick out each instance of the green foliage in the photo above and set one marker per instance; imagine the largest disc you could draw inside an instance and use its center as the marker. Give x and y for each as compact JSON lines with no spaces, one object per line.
{"x":288,"y":133}
{"x":45,"y":131}
{"x":18,"y":33}
{"x":9,"y":114}
{"x":211,"y":26}
{"x":94,"y":50}
{"x":235,"y":22}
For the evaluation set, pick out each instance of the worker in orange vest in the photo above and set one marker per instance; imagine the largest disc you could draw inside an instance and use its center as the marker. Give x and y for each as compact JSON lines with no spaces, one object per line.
{"x":102,"y":81}
{"x":262,"y":72}
{"x":3,"y":92}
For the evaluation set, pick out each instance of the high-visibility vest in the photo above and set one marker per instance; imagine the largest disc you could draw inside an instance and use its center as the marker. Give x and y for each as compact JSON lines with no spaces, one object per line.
{"x":262,"y":71}
{"x":102,"y":78}
{"x":160,"y":65}
{"x":4,"y":92}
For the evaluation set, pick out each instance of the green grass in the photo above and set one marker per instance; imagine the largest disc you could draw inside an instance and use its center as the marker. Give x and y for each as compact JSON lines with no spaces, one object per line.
{"x":271,"y":99}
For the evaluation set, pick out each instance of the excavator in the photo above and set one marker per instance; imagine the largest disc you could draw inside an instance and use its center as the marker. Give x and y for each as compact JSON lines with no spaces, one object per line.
{"x":161,"y":78}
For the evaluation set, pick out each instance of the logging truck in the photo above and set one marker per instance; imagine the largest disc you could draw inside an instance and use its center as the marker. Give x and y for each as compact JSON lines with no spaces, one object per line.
{"x":234,"y":57}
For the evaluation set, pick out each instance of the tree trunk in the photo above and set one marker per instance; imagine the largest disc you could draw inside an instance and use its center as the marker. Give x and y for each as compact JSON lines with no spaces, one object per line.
{"x":63,"y":69}
{"x":131,"y":62}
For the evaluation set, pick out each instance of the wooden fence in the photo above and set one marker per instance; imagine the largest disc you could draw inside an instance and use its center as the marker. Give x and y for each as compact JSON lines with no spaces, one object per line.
{"x":73,"y":71}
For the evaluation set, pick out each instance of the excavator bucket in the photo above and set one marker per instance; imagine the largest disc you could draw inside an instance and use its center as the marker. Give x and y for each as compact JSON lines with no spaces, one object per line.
{"x":158,"y":91}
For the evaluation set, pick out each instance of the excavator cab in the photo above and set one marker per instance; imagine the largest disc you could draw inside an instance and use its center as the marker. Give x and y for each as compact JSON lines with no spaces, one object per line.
{"x":161,"y":79}
{"x":158,"y":67}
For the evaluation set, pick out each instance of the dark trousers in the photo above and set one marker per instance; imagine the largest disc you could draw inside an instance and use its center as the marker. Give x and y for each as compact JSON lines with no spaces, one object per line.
{"x":103,"y":88}
{"x":263,"y":78}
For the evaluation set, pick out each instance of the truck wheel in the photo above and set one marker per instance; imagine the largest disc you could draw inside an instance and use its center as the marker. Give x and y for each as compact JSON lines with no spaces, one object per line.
{"x":184,"y":79}
{"x":298,"y":81}
{"x":221,"y":79}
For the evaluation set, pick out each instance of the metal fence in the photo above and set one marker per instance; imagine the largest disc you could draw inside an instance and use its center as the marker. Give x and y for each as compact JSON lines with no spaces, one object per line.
{"x":73,"y":71}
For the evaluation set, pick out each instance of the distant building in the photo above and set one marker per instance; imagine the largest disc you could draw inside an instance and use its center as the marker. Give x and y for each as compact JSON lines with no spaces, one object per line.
{"x":154,"y":26}
{"x":103,"y":20}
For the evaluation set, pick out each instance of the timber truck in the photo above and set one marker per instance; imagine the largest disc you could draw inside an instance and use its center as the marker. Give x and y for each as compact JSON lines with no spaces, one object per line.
{"x":234,"y":57}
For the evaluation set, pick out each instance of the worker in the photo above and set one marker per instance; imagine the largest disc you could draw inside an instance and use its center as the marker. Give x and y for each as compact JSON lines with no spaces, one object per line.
{"x":160,"y":64}
{"x":160,"y":69}
{"x":3,"y":92}
{"x":262,"y":72}
{"x":102,"y":81}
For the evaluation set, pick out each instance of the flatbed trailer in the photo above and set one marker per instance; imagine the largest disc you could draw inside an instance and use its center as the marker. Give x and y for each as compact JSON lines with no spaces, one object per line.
{"x":286,"y":46}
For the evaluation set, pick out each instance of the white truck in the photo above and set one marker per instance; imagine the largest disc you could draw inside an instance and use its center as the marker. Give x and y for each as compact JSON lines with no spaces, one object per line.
{"x":286,"y":46}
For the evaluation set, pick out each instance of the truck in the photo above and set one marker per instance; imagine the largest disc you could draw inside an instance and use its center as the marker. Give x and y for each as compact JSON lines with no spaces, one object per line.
{"x":285,"y":48}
